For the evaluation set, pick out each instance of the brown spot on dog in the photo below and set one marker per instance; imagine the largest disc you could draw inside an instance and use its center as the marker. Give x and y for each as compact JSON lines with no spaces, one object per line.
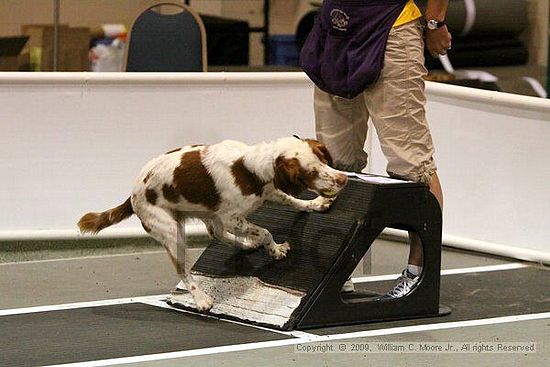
{"x":247,"y":181}
{"x":173,"y":151}
{"x":151,"y":196}
{"x":197,"y":145}
{"x":169,"y":192}
{"x":147,"y":177}
{"x":320,"y":150}
{"x":193,"y":182}
{"x":288,"y":174}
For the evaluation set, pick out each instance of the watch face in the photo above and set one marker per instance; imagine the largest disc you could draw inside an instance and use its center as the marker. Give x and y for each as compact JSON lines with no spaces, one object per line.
{"x":432,"y":24}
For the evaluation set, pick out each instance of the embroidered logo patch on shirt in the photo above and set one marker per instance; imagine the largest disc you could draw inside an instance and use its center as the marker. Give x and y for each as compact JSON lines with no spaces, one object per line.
{"x":339,"y":19}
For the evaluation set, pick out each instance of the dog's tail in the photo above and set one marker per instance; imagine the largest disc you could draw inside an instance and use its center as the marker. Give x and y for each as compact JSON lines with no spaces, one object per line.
{"x":95,"y":222}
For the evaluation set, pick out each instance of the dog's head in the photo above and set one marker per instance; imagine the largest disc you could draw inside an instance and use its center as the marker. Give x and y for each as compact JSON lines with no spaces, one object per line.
{"x":306,"y":164}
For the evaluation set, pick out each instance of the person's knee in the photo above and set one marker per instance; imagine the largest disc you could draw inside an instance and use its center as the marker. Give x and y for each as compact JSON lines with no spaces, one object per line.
{"x":422,"y":172}
{"x":356,"y":165}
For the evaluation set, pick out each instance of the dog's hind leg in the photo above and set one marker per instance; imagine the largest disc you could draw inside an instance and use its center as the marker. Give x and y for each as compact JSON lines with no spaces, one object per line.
{"x":164,"y":226}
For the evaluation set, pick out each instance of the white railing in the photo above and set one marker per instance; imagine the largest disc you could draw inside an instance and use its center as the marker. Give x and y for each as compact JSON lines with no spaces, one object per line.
{"x":73,"y":142}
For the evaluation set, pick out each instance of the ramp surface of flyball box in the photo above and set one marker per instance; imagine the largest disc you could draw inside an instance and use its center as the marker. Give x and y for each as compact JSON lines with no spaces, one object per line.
{"x":303,"y":290}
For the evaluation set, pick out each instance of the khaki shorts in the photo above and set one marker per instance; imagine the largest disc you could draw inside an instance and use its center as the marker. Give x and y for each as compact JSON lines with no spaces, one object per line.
{"x":395,"y":104}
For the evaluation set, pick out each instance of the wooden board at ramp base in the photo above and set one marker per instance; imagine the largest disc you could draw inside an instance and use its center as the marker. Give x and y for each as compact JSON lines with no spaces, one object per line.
{"x":246,"y":298}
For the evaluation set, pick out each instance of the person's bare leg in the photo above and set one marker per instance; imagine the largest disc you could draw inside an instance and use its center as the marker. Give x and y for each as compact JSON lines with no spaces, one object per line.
{"x":435,"y":188}
{"x":415,"y":252}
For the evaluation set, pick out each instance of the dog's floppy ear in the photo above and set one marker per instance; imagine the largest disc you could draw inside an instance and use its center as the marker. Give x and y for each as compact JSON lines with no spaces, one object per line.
{"x":321,"y":151}
{"x":326,"y":154}
{"x":287,"y":172}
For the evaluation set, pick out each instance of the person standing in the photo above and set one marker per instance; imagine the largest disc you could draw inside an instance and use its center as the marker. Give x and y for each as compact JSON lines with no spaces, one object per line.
{"x":366,"y":58}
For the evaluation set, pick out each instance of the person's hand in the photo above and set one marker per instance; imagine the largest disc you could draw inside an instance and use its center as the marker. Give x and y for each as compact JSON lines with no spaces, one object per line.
{"x":438,"y":41}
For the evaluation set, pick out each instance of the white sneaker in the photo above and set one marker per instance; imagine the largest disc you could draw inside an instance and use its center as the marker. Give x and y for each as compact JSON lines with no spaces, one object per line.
{"x":405,"y":283}
{"x":348,"y":286}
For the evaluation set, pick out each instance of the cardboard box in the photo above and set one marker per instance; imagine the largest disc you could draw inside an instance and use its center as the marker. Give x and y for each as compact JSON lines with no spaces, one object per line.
{"x":10,"y":53}
{"x":73,"y":46}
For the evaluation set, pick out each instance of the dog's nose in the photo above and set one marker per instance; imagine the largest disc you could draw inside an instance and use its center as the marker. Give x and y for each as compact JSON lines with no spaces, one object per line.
{"x":341,"y":179}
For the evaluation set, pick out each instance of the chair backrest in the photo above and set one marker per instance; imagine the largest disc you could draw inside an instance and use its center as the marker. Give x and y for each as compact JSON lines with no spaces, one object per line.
{"x":172,"y":41}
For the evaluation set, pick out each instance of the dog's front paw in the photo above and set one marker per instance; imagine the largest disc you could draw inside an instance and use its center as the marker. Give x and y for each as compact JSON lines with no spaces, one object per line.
{"x":278,"y":251}
{"x":320,"y":204}
{"x":203,"y":301}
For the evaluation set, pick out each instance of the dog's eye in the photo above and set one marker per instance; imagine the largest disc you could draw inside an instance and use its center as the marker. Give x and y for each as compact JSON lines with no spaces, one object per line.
{"x":313,"y":174}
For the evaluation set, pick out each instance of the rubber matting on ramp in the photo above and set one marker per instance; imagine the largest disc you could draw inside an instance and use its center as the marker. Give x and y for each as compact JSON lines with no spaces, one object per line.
{"x":473,"y":296}
{"x":315,"y":241}
{"x":95,"y":333}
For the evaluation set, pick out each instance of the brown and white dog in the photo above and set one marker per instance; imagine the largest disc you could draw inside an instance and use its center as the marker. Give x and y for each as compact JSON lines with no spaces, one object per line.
{"x":221,"y":184}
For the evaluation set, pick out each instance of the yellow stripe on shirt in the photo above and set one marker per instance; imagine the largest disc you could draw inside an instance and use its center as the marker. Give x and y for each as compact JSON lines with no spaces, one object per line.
{"x":409,"y":13}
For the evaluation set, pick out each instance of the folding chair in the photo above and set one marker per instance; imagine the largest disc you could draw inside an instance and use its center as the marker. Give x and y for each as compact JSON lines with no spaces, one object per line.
{"x":167,"y":37}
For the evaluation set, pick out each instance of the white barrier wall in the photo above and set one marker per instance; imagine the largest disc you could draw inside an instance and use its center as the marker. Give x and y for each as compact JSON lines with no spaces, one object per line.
{"x":493,"y":153}
{"x":73,"y":142}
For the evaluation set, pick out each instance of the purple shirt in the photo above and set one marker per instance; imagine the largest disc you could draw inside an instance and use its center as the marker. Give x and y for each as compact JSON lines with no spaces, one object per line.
{"x":344,"y":52}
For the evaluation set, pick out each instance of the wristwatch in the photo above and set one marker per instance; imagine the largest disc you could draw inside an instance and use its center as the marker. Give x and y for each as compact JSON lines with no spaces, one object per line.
{"x":434,"y":24}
